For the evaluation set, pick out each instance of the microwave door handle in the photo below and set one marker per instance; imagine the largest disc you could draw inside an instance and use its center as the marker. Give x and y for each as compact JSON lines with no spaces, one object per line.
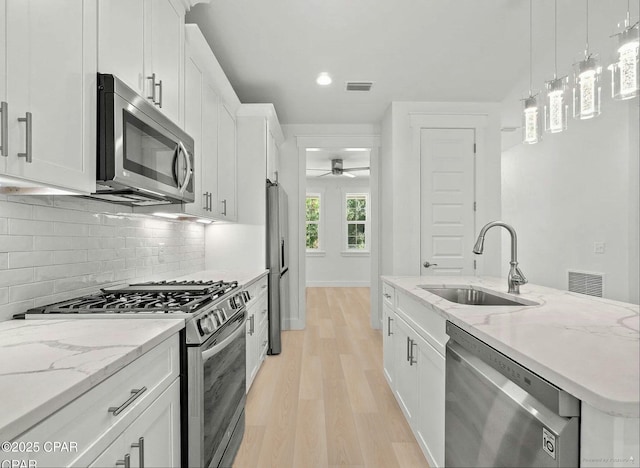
{"x":187,"y":177}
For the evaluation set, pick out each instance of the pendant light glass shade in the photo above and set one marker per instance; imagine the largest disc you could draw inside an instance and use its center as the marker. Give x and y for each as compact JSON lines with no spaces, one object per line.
{"x":555,"y":107}
{"x":587,"y":88}
{"x":531,"y":121}
{"x":625,"y":74}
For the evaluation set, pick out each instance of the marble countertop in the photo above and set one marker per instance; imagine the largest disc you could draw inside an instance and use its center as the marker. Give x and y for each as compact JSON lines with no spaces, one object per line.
{"x":241,"y":276}
{"x":588,"y":346}
{"x":46,"y":364}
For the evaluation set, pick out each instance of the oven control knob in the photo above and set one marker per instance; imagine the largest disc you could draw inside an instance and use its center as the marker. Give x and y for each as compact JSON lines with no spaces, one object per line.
{"x":207,"y":325}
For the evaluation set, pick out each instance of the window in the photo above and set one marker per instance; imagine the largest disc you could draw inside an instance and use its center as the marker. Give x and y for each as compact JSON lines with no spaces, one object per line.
{"x":357,"y":221}
{"x":313,"y":221}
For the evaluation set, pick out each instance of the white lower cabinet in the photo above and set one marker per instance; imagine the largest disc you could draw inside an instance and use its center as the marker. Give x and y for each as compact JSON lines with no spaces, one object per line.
{"x":257,"y":330}
{"x":152,"y":440}
{"x":415,"y":370}
{"x":141,"y":400}
{"x":388,"y":328}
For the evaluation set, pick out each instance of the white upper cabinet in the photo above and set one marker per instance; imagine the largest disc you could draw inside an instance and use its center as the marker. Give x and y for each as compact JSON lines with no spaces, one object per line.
{"x":226,"y":164}
{"x":142,"y":43}
{"x":48,"y":84}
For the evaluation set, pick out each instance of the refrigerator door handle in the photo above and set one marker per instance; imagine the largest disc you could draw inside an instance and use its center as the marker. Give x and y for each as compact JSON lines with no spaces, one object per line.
{"x":282,"y":253}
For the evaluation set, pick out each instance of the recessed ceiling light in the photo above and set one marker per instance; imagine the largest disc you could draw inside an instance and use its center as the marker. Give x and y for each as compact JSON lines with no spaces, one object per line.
{"x":324,"y":79}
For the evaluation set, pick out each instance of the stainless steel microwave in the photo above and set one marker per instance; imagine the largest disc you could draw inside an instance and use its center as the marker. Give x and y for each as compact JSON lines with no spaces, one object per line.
{"x":143,"y":157}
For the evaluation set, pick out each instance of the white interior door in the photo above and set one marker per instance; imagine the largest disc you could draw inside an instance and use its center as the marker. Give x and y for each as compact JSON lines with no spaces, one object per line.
{"x":447,"y":169}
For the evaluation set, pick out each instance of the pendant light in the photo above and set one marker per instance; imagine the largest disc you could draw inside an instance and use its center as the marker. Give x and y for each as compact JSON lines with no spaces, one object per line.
{"x":531,"y":120}
{"x":555,"y":108}
{"x":586,"y":87}
{"x":625,"y":75}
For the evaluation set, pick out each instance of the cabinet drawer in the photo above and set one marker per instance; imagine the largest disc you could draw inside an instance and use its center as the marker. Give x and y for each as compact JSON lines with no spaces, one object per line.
{"x":90,"y":420}
{"x":428,"y":323}
{"x":257,"y":288}
{"x":388,"y":295}
{"x":260,"y":309}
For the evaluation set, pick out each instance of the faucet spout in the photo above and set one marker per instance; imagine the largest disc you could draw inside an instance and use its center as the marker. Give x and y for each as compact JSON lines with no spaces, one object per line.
{"x":515,"y":277}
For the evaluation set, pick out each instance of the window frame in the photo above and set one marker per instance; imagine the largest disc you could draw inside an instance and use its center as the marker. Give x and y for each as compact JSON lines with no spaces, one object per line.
{"x":320,"y":223}
{"x":351,"y":251}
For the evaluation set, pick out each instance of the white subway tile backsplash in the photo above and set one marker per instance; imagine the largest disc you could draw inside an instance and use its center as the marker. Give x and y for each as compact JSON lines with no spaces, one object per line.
{"x":69,"y":256}
{"x":57,"y":248}
{"x":30,"y":291}
{"x":30,"y":259}
{"x":16,"y":276}
{"x":9,"y":243}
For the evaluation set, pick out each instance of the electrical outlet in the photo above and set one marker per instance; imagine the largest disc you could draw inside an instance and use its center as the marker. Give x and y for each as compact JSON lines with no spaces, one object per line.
{"x":599,"y":247}
{"x":161,"y":252}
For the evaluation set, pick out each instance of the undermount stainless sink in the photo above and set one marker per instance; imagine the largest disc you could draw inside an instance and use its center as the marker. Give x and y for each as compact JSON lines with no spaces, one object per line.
{"x":471,"y":296}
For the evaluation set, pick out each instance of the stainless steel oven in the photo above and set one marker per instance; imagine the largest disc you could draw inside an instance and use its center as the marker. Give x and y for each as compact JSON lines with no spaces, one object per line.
{"x":217,"y":388}
{"x":143,"y":157}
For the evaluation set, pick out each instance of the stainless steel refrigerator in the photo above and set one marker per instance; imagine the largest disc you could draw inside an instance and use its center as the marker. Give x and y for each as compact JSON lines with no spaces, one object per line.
{"x":277,"y":262}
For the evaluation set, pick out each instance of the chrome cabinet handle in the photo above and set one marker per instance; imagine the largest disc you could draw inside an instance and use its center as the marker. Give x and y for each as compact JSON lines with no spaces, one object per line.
{"x":263,"y":286}
{"x":224,"y":209}
{"x":427,"y":264}
{"x":412,"y":359}
{"x":187,"y":160}
{"x":264,"y":311}
{"x":210,"y":201}
{"x":388,"y":296}
{"x":135,"y":393}
{"x":126,"y":462}
{"x":389,"y":332}
{"x":159,"y":103}
{"x":4,"y":129}
{"x":140,"y":446}
{"x":153,"y":87}
{"x":408,"y":348}
{"x":28,"y":154}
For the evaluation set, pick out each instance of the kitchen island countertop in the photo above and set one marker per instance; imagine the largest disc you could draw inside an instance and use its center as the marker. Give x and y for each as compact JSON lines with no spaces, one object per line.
{"x":588,"y":346}
{"x":46,"y":364}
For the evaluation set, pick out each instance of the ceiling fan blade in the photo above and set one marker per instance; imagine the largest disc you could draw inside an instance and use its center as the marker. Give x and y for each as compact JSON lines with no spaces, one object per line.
{"x":312,"y":169}
{"x":322,"y":175}
{"x":347,"y":174}
{"x":355,"y":169}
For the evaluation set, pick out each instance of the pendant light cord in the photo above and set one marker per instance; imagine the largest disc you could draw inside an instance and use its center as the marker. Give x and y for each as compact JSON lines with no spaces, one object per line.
{"x":530,"y":47}
{"x":555,"y":39}
{"x":586,"y":51}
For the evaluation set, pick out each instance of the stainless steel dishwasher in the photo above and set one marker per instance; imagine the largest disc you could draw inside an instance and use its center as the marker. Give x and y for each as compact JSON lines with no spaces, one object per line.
{"x":500,"y":414}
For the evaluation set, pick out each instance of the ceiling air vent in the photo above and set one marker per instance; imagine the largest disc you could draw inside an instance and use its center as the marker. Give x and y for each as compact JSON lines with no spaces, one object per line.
{"x":359,"y":85}
{"x":591,"y":284}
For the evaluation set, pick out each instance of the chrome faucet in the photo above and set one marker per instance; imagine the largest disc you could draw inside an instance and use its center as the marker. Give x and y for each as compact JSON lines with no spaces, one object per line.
{"x":516,"y":277}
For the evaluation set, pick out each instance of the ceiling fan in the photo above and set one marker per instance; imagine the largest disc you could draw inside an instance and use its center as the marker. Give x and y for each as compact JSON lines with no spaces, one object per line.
{"x":338,"y":169}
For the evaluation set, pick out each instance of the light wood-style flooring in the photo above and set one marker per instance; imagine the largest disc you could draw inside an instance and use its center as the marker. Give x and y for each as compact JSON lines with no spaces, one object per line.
{"x":324,"y":401}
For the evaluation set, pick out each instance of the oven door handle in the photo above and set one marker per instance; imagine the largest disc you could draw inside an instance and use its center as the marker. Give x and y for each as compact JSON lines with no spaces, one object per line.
{"x":209,"y":353}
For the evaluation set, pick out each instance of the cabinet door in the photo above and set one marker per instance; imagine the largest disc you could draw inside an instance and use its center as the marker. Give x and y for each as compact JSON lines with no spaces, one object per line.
{"x":155,"y":435}
{"x":405,"y":372}
{"x":51,"y":79}
{"x":165,"y":52}
{"x":193,"y":125}
{"x":121,"y":41}
{"x":210,"y":146}
{"x":388,"y":327}
{"x":431,"y":401}
{"x":113,"y":454}
{"x":251,"y":350}
{"x":272,"y":156}
{"x":226,"y":164}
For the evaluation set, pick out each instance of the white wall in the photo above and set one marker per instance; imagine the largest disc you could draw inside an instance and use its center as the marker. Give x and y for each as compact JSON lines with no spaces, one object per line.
{"x":400,"y":183}
{"x":56,"y":248}
{"x":573,"y":189}
{"x":579,"y":186}
{"x":334,"y":268}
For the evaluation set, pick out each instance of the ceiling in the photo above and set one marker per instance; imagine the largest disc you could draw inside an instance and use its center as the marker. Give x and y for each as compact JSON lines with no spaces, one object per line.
{"x":321,"y":159}
{"x":413,"y":50}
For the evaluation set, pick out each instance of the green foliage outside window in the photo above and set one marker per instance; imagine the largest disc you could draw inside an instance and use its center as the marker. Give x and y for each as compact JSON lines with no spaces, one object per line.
{"x":356,"y":222}
{"x":313,"y":221}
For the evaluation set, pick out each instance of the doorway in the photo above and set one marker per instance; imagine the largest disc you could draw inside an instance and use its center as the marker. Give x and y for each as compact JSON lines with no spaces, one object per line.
{"x":348,"y":207}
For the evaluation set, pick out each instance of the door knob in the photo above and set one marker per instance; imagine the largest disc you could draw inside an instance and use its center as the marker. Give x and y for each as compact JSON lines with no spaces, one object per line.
{"x":427,"y":264}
